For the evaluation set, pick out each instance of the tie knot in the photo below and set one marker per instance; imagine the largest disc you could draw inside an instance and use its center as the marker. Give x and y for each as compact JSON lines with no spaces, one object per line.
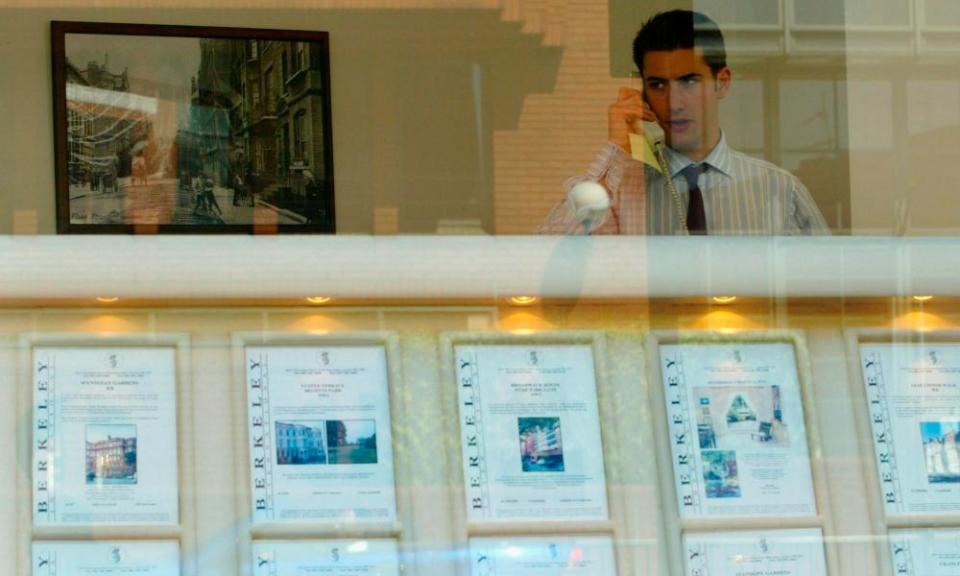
{"x":692,"y":173}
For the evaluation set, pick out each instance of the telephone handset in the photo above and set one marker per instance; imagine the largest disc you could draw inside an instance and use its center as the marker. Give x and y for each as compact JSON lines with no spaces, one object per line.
{"x":588,"y":201}
{"x":646,"y":145}
{"x":645,"y":138}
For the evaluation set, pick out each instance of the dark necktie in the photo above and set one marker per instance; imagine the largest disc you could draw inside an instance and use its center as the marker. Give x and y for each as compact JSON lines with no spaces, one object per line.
{"x":696,"y":215}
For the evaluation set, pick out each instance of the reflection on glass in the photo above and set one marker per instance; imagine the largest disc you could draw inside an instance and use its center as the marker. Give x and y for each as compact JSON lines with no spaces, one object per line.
{"x":667,"y":167}
{"x":744,"y":13}
{"x":306,"y":557}
{"x":941,"y":13}
{"x":545,"y":556}
{"x":783,"y":552}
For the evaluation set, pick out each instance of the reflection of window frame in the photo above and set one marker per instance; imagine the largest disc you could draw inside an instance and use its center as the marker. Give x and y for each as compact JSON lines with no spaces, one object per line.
{"x":299,"y":55}
{"x":75,"y":132}
{"x":259,"y":160}
{"x":300,"y":136}
{"x":255,"y":93}
{"x":268,"y":96}
{"x":283,"y":162}
{"x":774,"y":148}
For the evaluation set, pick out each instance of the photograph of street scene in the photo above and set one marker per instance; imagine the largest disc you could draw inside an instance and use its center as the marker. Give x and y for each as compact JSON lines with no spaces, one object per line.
{"x":178,"y":132}
{"x":111,"y":454}
{"x":541,"y":445}
{"x":941,"y":451}
{"x":352,"y":441}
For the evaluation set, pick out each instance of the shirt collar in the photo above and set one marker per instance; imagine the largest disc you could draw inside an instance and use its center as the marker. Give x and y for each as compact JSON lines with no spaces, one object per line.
{"x":718,"y":158}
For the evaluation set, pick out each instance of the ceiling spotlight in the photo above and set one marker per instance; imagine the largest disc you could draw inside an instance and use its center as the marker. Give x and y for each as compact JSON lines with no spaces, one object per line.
{"x":318,"y":299}
{"x":107,"y":299}
{"x":523,"y":300}
{"x":724,"y":299}
{"x":922,"y":298}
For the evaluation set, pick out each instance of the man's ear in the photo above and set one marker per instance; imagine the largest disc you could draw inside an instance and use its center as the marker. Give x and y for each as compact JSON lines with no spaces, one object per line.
{"x":723,"y":78}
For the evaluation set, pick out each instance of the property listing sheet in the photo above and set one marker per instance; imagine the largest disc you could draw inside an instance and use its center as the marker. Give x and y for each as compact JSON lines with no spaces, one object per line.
{"x":320,"y":440}
{"x":143,"y":558}
{"x":376,"y":557}
{"x":530,"y":432}
{"x":761,"y":553}
{"x":931,"y":552}
{"x":736,"y":429}
{"x":529,"y":556}
{"x":104,"y":436}
{"x":913,"y":398}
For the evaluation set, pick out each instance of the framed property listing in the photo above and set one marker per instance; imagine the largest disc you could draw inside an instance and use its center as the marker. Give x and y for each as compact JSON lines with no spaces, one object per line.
{"x":182,"y":129}
{"x":105,"y":436}
{"x":149,"y":558}
{"x":320,"y":434}
{"x":913,"y":406}
{"x":530,"y":432}
{"x":737,"y":431}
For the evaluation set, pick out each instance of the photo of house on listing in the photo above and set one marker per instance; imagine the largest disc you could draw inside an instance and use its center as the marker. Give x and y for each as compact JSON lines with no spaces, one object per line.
{"x":301,"y":443}
{"x":111,"y":454}
{"x":941,"y":451}
{"x":541,"y":445}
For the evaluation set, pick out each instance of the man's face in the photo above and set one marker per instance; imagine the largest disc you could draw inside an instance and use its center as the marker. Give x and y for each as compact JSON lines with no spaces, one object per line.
{"x":683,"y":92}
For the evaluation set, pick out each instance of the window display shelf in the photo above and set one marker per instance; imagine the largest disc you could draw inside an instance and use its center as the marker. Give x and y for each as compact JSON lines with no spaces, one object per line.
{"x":245,"y":267}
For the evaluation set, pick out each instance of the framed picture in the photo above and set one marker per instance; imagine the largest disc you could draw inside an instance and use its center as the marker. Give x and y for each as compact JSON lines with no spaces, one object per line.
{"x":183,"y":129}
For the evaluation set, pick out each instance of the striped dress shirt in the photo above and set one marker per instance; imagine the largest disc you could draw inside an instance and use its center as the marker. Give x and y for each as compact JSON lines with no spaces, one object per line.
{"x":742,"y":196}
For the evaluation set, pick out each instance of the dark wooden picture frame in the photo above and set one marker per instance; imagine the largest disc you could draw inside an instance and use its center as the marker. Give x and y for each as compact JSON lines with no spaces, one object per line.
{"x":188,"y":129}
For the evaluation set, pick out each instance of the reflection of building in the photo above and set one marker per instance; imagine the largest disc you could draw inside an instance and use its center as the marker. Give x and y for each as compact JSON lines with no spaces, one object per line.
{"x":104,"y":125}
{"x":206,"y":142}
{"x":112,"y":458}
{"x":299,"y":444}
{"x":943,"y":455}
{"x":542,"y":441}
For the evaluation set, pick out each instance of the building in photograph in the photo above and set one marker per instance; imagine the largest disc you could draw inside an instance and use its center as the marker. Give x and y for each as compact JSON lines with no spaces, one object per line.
{"x":542,"y":441}
{"x":113,"y":458}
{"x":942,"y":456}
{"x":283,"y":122}
{"x":299,"y":444}
{"x":106,"y":125}
{"x":206,"y":142}
{"x":258,"y":111}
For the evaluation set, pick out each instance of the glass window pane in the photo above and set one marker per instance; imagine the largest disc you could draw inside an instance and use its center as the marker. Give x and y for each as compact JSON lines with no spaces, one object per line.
{"x":742,"y":113}
{"x":808,"y":115}
{"x":745,"y":12}
{"x":942,"y":13}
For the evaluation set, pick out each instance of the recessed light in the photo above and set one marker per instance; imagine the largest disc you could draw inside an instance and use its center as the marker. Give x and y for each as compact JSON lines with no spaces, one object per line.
{"x":107,"y":299}
{"x":922,"y":298}
{"x":318,"y":299}
{"x":522,"y":300}
{"x":724,"y":299}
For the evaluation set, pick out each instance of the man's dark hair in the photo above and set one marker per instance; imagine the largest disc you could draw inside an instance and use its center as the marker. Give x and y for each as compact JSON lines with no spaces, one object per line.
{"x":678,"y":30}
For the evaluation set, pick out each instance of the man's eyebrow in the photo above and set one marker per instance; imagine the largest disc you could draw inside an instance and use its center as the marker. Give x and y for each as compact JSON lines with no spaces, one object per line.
{"x":690,"y":76}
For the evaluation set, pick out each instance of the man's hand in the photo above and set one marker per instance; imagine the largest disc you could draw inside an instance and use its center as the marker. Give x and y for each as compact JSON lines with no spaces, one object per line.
{"x":624,"y":114}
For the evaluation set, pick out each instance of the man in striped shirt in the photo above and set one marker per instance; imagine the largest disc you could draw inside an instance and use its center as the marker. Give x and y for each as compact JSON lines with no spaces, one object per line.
{"x":682,"y":61}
